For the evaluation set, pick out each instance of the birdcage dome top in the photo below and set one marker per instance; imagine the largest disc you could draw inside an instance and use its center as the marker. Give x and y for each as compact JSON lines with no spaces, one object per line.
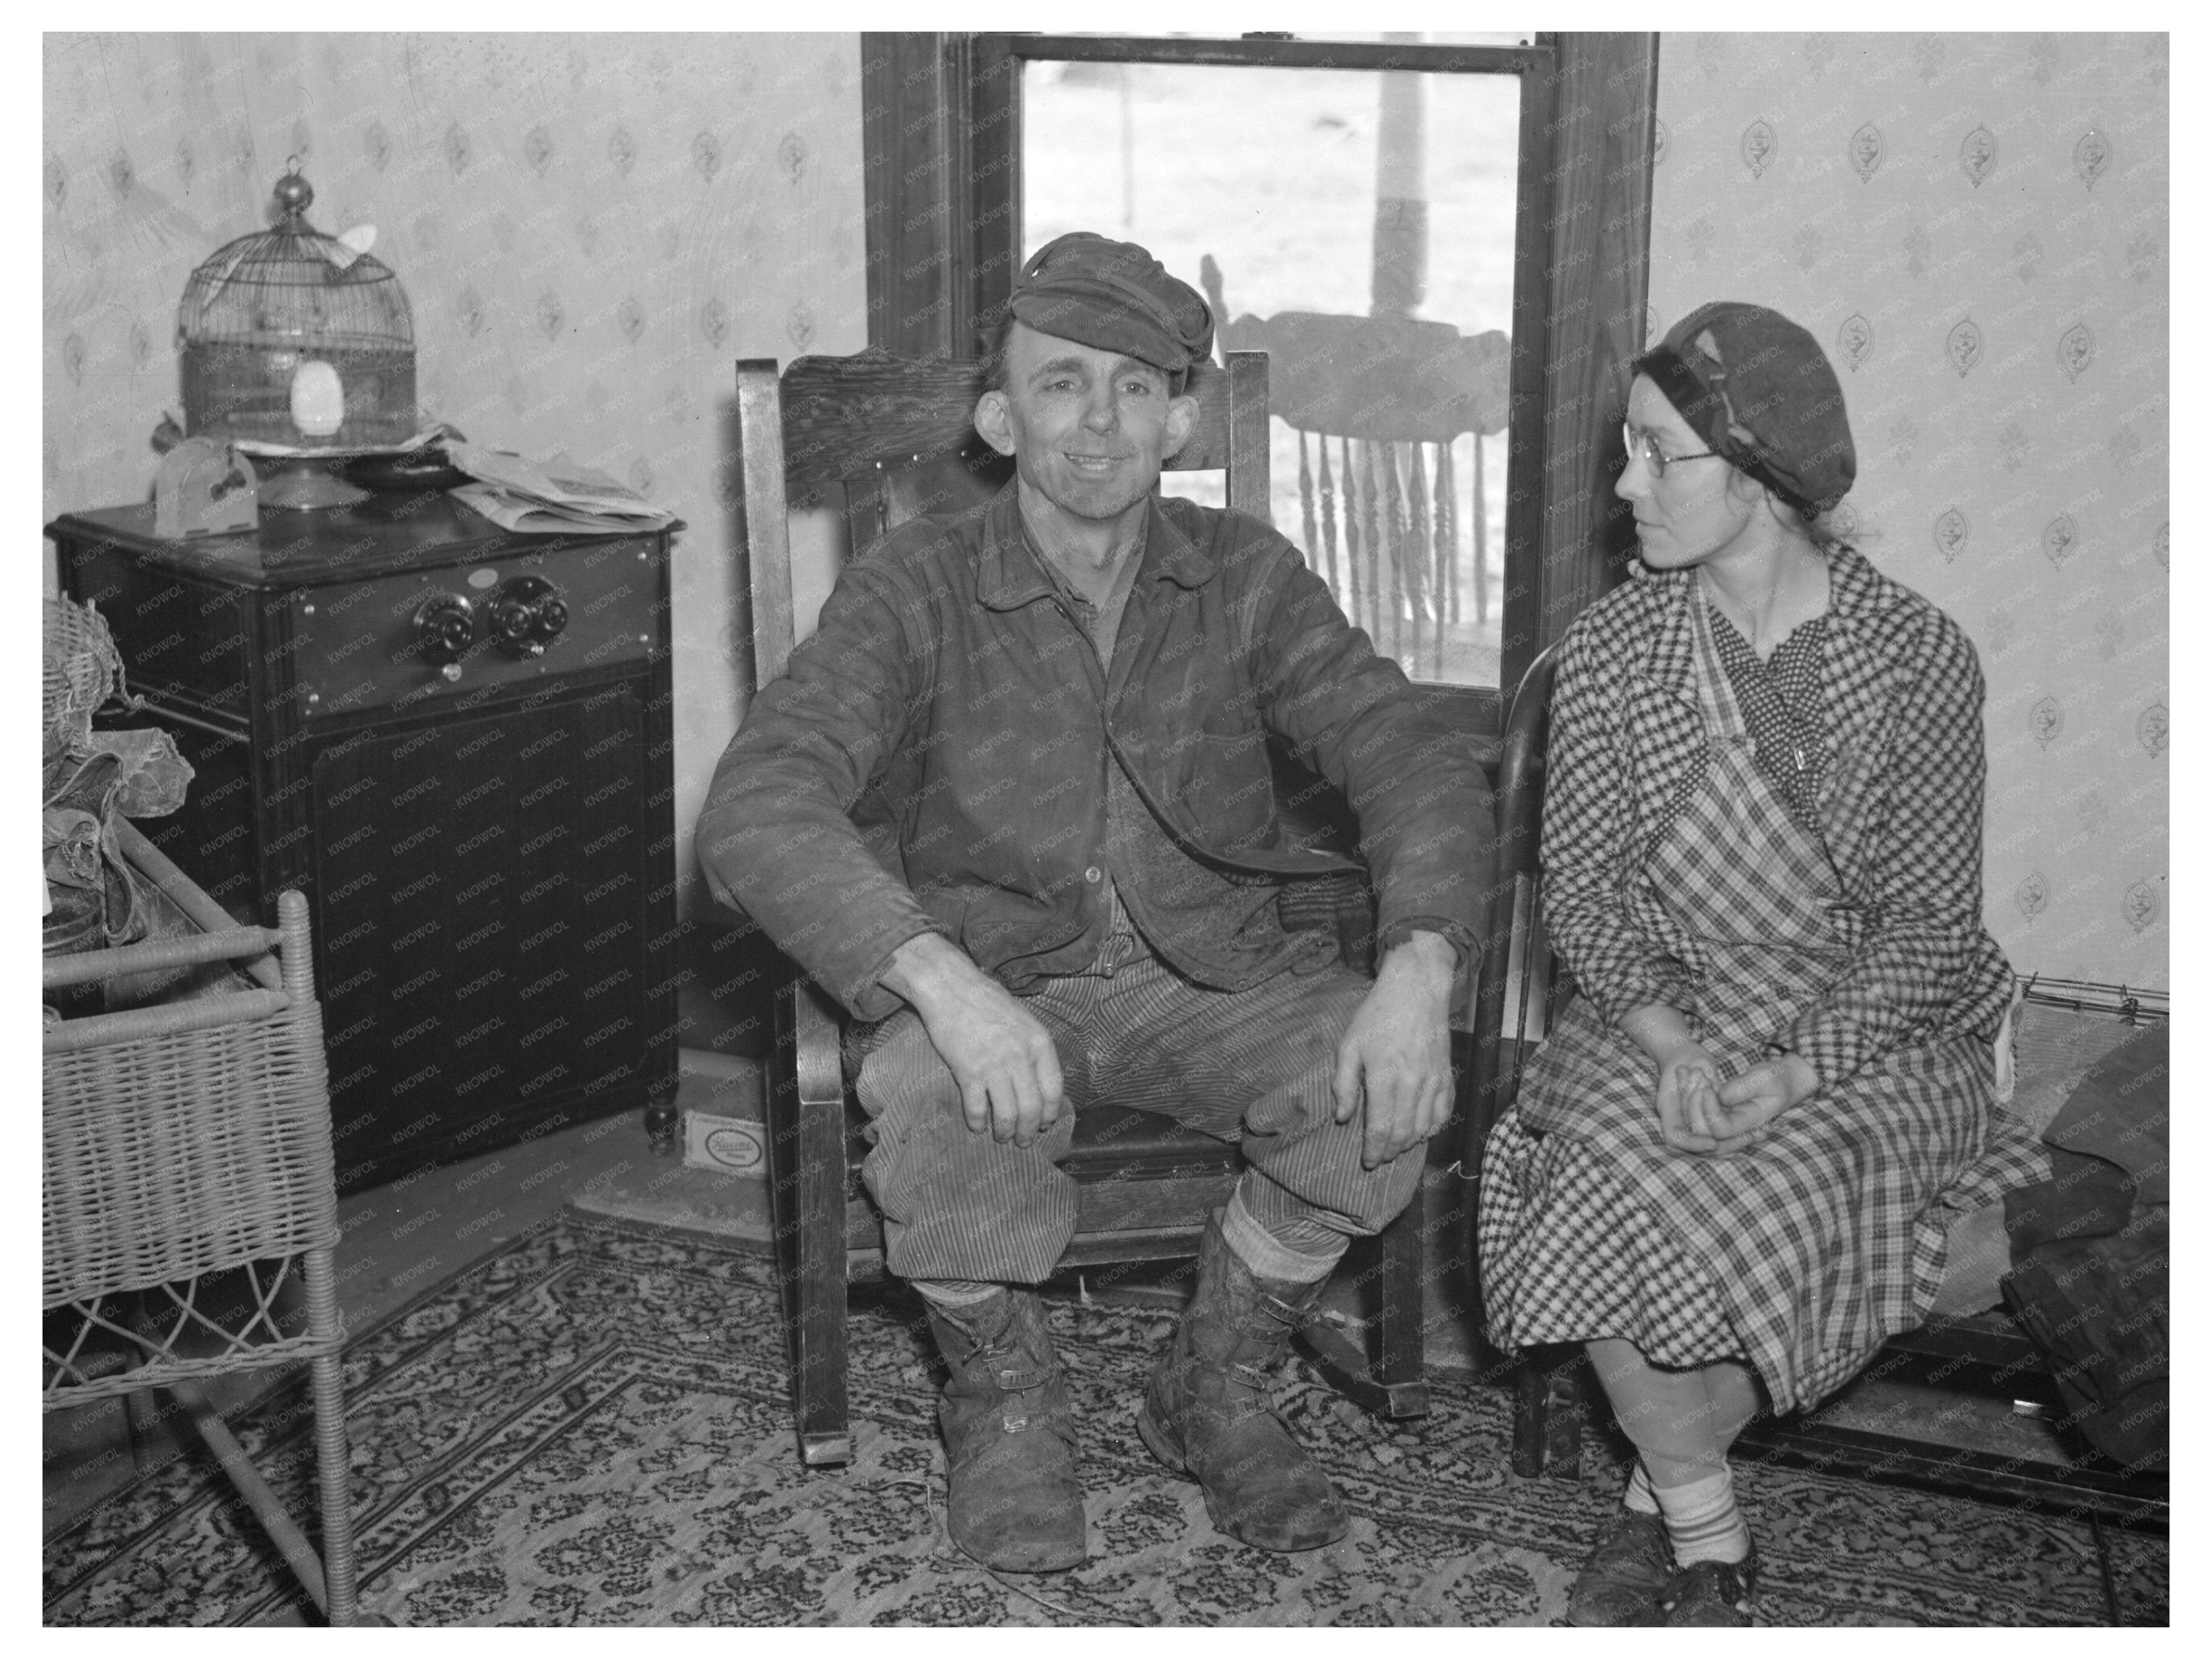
{"x":288,"y":312}
{"x":291,"y":282}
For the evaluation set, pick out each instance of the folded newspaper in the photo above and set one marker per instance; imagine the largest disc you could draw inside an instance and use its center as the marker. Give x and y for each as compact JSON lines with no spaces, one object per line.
{"x":263,"y":446}
{"x":517,"y":494}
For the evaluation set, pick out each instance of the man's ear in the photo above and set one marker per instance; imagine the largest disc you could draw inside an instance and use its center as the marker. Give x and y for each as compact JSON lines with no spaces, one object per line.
{"x":994,"y":421}
{"x":1182,"y":421}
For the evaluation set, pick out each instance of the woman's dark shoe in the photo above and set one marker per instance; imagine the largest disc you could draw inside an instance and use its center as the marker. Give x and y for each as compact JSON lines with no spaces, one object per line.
{"x":1622,"y":1581}
{"x":1718,"y":1593}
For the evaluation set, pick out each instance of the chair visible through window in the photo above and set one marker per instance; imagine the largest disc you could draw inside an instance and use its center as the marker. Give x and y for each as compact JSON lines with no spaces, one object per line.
{"x":1384,"y":408}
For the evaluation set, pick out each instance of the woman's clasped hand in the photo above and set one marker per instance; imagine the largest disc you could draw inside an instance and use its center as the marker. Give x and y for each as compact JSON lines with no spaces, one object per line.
{"x":1700,"y":1111}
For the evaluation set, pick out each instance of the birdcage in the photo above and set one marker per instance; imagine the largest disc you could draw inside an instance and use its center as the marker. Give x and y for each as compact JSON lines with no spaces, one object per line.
{"x":297,"y":343}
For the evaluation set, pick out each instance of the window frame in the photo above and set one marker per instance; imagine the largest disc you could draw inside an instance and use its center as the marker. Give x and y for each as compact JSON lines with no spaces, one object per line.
{"x":941,"y":119}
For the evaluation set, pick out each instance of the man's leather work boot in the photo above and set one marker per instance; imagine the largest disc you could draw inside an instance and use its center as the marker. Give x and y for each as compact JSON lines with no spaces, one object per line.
{"x":1015,"y":1502}
{"x":1206,"y":1412}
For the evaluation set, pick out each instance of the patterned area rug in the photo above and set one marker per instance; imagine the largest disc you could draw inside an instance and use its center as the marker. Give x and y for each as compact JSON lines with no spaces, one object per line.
{"x":590,"y":1428}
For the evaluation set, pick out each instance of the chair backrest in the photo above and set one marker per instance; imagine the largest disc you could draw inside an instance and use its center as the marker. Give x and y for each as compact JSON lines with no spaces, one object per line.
{"x":1399,"y":578}
{"x":886,"y":437}
{"x":1514,"y":987}
{"x":1391,"y":397}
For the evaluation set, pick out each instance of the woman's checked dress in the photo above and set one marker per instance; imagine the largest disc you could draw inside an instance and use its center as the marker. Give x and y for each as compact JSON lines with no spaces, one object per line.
{"x":1846,"y":930}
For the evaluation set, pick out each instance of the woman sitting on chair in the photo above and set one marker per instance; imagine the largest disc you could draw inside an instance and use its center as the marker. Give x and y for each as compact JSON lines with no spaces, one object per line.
{"x":1762,"y":847}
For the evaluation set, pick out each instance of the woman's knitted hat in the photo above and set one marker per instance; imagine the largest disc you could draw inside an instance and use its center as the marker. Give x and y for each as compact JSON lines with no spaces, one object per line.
{"x":1760,"y":390}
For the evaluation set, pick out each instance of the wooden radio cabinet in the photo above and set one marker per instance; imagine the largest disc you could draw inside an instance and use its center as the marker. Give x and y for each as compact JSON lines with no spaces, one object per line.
{"x":457,"y":741}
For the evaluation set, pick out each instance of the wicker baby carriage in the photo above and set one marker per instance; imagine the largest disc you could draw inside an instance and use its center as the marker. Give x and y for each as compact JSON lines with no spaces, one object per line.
{"x":188,"y":1144}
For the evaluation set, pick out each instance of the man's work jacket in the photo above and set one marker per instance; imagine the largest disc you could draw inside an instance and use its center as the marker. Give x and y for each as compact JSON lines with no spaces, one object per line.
{"x":936,"y":757}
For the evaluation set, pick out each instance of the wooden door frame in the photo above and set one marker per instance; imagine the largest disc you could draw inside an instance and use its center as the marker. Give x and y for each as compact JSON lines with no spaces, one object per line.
{"x":943,"y":179}
{"x":940,"y":134}
{"x":1582,"y":259}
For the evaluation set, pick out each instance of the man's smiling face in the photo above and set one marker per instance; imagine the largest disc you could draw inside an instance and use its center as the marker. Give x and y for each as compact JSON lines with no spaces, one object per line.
{"x":1087,"y":428}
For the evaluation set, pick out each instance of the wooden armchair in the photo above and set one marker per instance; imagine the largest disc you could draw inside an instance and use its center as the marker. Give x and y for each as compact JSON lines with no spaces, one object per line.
{"x":886,"y":438}
{"x":1984,"y":1354}
{"x":1514,"y":989}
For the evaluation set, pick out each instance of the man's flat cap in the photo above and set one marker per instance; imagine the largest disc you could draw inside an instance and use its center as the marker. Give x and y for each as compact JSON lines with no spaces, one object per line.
{"x":1115,"y":296}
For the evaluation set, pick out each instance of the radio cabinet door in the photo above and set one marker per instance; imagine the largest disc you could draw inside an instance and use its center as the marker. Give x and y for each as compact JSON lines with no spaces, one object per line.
{"x":482,"y":924}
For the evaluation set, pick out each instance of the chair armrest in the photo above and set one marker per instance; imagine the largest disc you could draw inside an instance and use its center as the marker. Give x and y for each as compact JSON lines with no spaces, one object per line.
{"x":817,"y":1032}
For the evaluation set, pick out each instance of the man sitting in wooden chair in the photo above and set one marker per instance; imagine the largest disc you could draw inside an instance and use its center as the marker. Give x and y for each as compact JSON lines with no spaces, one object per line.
{"x":1056,"y":709}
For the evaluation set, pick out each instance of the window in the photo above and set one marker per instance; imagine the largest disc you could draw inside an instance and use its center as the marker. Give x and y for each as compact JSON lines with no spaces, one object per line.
{"x":1503,"y":181}
{"x":1336,"y":218}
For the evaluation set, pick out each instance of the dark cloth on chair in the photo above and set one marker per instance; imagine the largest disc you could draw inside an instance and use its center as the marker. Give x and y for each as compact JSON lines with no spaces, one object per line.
{"x":2108,"y":1151}
{"x":2097,"y":1308}
{"x":2089,"y":1248}
{"x":2119,"y":1113}
{"x":2084,"y":1197}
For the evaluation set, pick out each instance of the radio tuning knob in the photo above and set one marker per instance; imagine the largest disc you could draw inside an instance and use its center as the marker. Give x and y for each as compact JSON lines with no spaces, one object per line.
{"x":511,"y":624}
{"x":528,"y":615}
{"x":445,"y":627}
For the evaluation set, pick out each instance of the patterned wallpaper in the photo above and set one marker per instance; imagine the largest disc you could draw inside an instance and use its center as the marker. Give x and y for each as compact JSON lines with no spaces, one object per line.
{"x":590,"y":230}
{"x":1975,"y":225}
{"x":593,"y":227}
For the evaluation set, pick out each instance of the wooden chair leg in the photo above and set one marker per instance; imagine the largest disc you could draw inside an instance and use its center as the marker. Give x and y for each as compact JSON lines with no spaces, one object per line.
{"x":1547,"y":1416}
{"x":807,"y":1153}
{"x":1563,"y":1418}
{"x":810,"y":1246}
{"x":1391,"y":1380}
{"x":819,"y":1361}
{"x":1401,"y":1325}
{"x":1531,"y":1398}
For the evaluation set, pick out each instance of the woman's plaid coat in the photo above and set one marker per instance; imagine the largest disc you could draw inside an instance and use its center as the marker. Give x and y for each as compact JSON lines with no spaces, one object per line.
{"x":1827,"y":1234}
{"x":1627,"y":746}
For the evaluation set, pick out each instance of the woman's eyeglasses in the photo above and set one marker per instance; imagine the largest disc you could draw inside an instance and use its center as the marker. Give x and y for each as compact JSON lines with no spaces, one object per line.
{"x":1645,"y":445}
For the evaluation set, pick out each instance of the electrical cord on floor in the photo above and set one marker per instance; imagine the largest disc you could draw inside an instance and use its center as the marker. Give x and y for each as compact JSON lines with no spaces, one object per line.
{"x":2105,"y":1569}
{"x":1046,"y":1602}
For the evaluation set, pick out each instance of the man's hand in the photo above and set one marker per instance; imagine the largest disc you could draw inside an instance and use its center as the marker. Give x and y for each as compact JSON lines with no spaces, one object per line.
{"x":999,"y":1052}
{"x":1397,"y":1054}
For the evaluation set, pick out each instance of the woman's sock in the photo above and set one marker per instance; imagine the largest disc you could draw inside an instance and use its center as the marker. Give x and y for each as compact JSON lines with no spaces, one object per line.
{"x":1639,"y":1496}
{"x":1703,"y":1522}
